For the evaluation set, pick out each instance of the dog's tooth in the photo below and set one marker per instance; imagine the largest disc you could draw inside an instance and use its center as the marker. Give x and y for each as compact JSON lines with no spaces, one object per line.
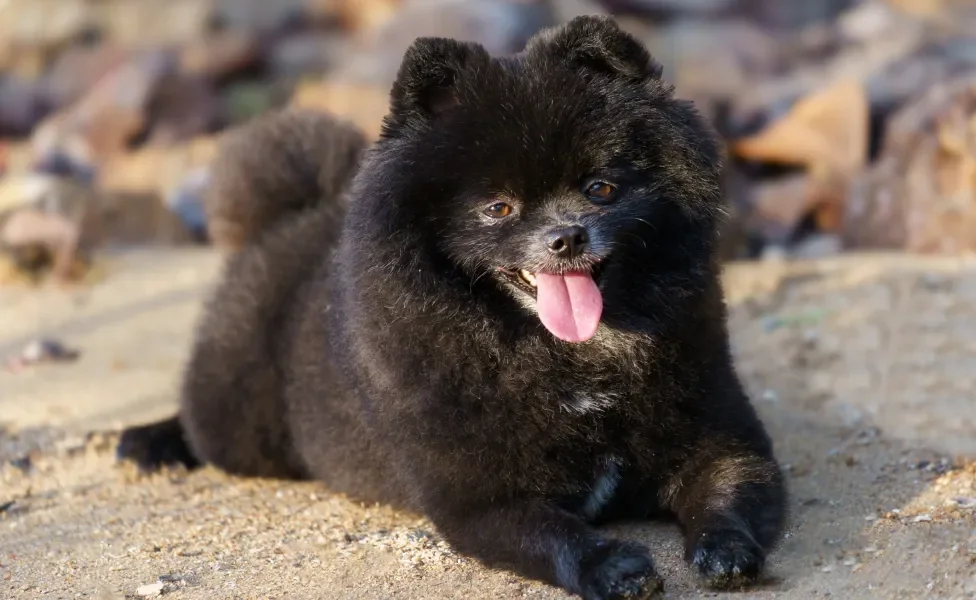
{"x":528,"y":276}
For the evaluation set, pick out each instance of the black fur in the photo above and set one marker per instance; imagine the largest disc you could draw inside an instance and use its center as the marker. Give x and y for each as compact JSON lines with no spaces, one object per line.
{"x":385,"y":354}
{"x":309,"y":155}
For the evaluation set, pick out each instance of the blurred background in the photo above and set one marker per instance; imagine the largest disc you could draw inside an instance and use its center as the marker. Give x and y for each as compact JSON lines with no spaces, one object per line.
{"x":850,"y":123}
{"x":850,"y":133}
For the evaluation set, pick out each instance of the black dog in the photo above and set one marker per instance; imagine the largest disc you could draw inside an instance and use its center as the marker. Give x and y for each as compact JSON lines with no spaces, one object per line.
{"x":517,"y":327}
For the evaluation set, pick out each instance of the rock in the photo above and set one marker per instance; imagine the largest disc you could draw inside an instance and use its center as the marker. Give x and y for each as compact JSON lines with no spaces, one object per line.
{"x":26,"y":61}
{"x":502,"y":26}
{"x":943,"y":12}
{"x":258,"y":16}
{"x":48,"y":350}
{"x":144,"y":24}
{"x":779,"y":206}
{"x":817,"y":246}
{"x":37,"y":239}
{"x":363,"y":104}
{"x":662,"y":8}
{"x":78,"y":68}
{"x":59,"y":227}
{"x":825,"y":134}
{"x":182,"y":107}
{"x":105,"y":119}
{"x":107,"y":594}
{"x":242,"y":100}
{"x":23,"y":190}
{"x":567,"y":10}
{"x":793,"y":16}
{"x":921,"y":194}
{"x":220,"y":54}
{"x":155,"y":170}
{"x":18,"y":158}
{"x":186,"y":201}
{"x":711,"y":59}
{"x":866,"y":22}
{"x":307,"y":52}
{"x":151,"y":590}
{"x":900,"y":81}
{"x":21,"y":106}
{"x":843,"y":59}
{"x":42,"y":24}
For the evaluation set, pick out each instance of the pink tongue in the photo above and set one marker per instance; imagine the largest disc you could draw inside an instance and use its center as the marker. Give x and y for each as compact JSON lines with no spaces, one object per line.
{"x":569,"y":305}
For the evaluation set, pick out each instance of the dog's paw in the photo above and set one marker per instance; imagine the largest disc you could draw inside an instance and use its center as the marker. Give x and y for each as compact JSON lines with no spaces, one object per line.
{"x":154,"y":446}
{"x":728,"y":558}
{"x":620,"y":570}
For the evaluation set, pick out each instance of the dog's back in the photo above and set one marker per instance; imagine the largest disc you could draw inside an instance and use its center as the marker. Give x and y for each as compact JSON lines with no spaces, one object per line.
{"x":277,"y":204}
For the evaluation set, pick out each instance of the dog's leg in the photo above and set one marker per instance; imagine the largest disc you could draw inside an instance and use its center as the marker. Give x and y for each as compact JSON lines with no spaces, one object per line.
{"x":157,"y":444}
{"x":730,"y":501}
{"x":544,"y":542}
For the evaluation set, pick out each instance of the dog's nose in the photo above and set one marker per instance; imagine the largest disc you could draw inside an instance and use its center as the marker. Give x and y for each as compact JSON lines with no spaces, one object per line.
{"x":567,"y":242}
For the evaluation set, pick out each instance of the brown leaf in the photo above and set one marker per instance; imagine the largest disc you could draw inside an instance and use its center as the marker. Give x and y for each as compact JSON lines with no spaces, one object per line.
{"x":826,"y":131}
{"x":356,"y":15}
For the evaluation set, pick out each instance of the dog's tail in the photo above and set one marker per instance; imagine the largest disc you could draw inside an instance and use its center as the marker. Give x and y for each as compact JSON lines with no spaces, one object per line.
{"x":275,"y":165}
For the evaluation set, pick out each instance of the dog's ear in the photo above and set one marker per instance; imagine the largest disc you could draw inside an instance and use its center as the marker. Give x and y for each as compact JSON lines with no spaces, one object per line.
{"x":427,"y":84}
{"x":598,"y":43}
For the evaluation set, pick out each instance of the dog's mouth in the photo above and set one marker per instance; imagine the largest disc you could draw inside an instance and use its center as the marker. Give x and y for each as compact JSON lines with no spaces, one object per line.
{"x":569,"y":303}
{"x":526,"y":280}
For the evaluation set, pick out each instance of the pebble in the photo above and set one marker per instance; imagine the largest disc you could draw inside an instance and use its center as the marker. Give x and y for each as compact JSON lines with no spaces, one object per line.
{"x":43,"y":350}
{"x":151,"y":590}
{"x":922,"y":518}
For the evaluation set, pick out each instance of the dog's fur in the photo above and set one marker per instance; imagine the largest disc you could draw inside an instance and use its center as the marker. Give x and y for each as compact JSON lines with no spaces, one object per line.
{"x":251,"y":189}
{"x":384,"y":353}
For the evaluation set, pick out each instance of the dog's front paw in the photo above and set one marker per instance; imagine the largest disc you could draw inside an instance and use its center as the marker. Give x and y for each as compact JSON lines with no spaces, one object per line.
{"x":728,"y":558}
{"x":619,"y":570}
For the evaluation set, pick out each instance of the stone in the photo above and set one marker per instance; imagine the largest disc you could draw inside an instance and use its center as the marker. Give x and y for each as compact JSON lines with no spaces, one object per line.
{"x":363,"y":104}
{"x":920,"y":195}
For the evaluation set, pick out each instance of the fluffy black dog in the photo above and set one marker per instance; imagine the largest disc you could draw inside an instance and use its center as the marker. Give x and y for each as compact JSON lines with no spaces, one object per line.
{"x":514,"y":325}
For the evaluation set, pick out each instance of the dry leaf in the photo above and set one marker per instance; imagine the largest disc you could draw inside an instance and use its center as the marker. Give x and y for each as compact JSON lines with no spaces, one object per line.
{"x":356,"y":15}
{"x":826,"y":131}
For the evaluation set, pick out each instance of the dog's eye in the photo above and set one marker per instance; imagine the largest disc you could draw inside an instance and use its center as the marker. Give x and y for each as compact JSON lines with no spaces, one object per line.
{"x":499,"y":210}
{"x":600,"y":192}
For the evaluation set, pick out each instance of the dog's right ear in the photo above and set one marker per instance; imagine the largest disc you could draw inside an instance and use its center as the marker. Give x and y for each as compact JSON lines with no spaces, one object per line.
{"x":429,"y":79}
{"x":597,"y":43}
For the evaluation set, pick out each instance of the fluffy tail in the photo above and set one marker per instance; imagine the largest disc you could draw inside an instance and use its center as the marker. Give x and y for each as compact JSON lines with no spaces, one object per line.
{"x":278,"y":164}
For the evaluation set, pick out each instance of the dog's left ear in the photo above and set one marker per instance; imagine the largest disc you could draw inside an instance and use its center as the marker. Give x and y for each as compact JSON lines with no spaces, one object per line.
{"x":598,"y":43}
{"x":429,"y":79}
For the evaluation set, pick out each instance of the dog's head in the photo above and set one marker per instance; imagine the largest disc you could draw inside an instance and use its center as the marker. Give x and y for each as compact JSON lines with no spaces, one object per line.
{"x":566,"y":175}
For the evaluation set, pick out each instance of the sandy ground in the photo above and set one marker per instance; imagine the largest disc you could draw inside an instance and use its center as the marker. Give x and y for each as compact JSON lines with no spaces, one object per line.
{"x":863,"y":367}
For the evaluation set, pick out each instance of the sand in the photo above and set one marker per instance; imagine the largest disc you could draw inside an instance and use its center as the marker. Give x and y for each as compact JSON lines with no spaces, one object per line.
{"x":862,"y":366}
